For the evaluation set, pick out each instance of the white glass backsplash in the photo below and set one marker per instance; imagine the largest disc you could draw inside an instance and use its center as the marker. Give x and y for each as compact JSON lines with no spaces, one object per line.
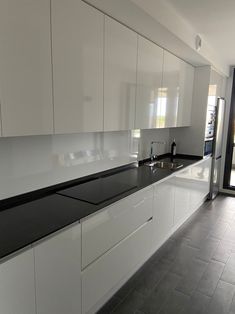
{"x":33,"y":162}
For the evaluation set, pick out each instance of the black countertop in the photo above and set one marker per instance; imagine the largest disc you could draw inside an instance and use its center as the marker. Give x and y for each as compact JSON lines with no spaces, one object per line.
{"x":24,"y":224}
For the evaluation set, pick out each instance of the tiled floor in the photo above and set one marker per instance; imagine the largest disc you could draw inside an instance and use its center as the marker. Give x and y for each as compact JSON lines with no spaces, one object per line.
{"x":194,"y":272}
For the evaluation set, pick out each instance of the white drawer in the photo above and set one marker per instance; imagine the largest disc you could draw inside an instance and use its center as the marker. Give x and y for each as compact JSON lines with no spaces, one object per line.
{"x":105,"y":229}
{"x":104,"y":274}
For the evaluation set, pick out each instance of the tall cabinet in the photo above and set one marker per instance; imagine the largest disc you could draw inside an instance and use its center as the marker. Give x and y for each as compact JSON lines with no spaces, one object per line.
{"x":149,"y":83}
{"x":120,"y":57}
{"x":25,"y":67}
{"x":77,"y":46}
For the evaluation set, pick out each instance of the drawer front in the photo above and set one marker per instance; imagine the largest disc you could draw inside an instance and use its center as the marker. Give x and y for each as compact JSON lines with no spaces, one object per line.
{"x":104,"y":274}
{"x":105,"y":229}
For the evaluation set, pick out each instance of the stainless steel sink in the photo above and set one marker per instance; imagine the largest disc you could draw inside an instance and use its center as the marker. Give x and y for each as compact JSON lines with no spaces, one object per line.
{"x":164,"y":164}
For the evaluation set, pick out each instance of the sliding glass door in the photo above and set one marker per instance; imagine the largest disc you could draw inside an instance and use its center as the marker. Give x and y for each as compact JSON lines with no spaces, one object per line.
{"x":229,"y":172}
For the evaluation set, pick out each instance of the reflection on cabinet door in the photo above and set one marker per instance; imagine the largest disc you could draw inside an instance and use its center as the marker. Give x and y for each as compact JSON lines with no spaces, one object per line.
{"x":170,"y":90}
{"x":78,"y":31}
{"x":17,"y":286}
{"x":25,"y":67}
{"x":185,"y":94}
{"x":57,"y":273}
{"x":163,"y":218}
{"x":119,"y":76}
{"x":200,"y":182}
{"x":149,"y":82}
{"x":182,"y":195}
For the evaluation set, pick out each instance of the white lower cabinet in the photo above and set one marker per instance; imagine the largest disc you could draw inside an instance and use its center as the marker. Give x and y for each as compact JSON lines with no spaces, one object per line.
{"x":58,"y":273}
{"x":200,"y":185}
{"x":182,"y":195}
{"x":104,"y":274}
{"x":17,"y":285}
{"x":105,"y":229}
{"x":163,"y":209}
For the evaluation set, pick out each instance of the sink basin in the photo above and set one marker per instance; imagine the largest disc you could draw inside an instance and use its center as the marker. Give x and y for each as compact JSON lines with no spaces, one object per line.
{"x":164,"y":164}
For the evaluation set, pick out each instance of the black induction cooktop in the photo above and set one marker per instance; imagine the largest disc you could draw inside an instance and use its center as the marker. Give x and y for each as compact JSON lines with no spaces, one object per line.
{"x":98,"y":191}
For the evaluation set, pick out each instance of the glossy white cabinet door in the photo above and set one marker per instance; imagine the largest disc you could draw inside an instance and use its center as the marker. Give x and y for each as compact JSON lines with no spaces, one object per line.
{"x":102,"y":276}
{"x":105,"y":229}
{"x":182,"y":195}
{"x":57,"y":273}
{"x":17,"y":285}
{"x":200,"y":176}
{"x":170,"y":90}
{"x":120,"y":60}
{"x":163,"y":218}
{"x":149,"y":83}
{"x":25,"y":67}
{"x":185,"y":94}
{"x":77,"y":49}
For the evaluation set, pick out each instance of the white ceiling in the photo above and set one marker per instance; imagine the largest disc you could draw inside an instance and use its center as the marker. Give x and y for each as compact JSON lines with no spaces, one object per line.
{"x":214,"y":20}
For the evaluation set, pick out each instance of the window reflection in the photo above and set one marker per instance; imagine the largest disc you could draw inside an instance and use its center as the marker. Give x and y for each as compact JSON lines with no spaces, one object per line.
{"x":212,"y":95}
{"x":161,"y":107}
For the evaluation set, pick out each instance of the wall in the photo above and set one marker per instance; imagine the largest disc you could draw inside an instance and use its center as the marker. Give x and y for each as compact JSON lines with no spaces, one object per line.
{"x":34,"y":162}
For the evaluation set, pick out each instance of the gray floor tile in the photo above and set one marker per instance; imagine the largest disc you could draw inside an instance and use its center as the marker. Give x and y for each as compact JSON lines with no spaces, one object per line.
{"x":210,"y":278}
{"x":208,"y":249}
{"x":183,"y":260}
{"x":178,"y":301}
{"x":161,"y":294}
{"x":131,"y":304}
{"x":197,"y":304}
{"x":189,"y":282}
{"x":151,"y":277}
{"x":229,"y":270}
{"x":219,"y":229}
{"x":197,"y":235}
{"x":223,"y":251}
{"x":222,"y":299}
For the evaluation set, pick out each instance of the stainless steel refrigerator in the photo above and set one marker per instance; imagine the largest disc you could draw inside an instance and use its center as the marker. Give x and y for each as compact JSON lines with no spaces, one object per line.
{"x":217,"y":148}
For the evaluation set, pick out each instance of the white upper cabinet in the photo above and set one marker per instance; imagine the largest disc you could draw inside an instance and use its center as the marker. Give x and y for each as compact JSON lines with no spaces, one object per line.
{"x":25,"y":67}
{"x":119,"y":76}
{"x":170,"y":91}
{"x":149,"y":83}
{"x":185,"y":94}
{"x":17,"y":285}
{"x":77,"y":49}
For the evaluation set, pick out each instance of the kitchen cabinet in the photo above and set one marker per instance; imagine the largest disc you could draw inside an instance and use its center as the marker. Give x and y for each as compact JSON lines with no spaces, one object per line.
{"x":186,"y":80}
{"x":182,"y":195}
{"x":170,"y":90}
{"x":149,"y":83}
{"x":58,"y":273}
{"x":102,"y":276}
{"x":200,"y":186}
{"x":104,"y":230}
{"x":77,"y":49}
{"x":17,"y":285}
{"x":163,"y":218}
{"x":120,"y":61}
{"x":25,"y":67}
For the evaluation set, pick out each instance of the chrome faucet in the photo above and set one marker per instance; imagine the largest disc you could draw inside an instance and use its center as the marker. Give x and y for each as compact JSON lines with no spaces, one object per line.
{"x":152,"y":156}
